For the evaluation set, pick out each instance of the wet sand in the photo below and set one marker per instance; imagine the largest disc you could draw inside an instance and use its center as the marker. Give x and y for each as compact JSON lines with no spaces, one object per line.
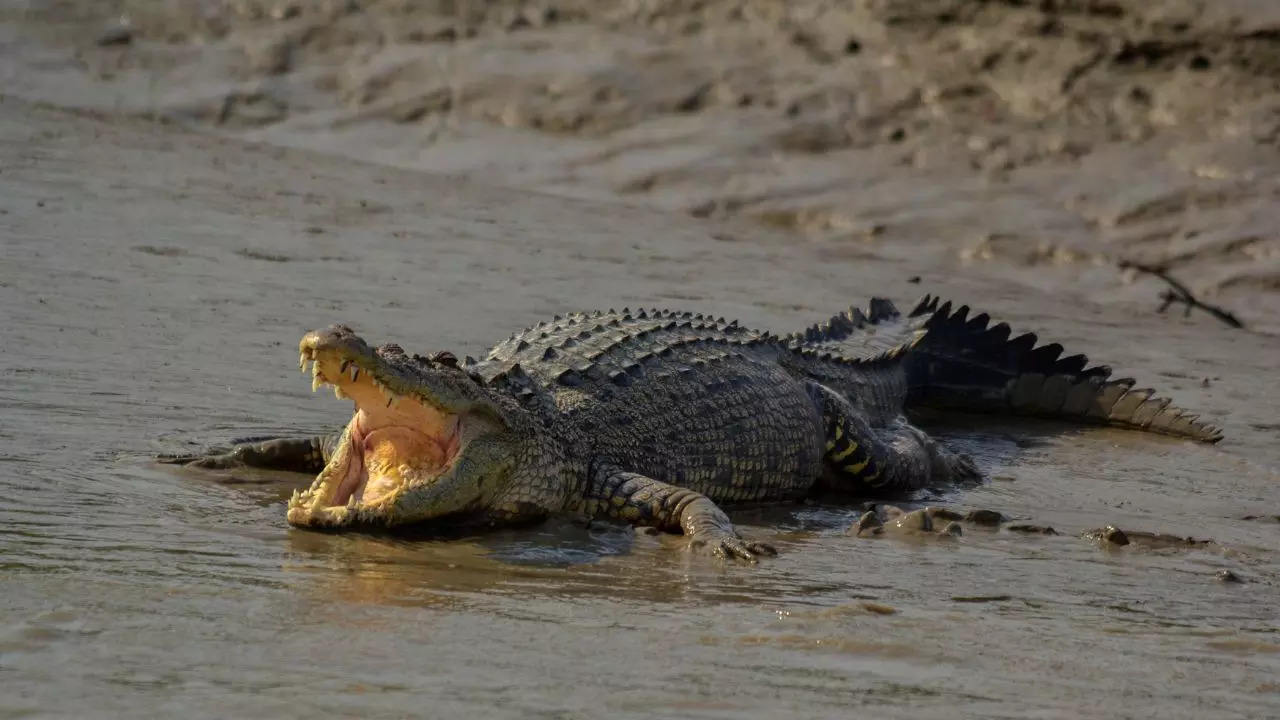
{"x":1040,"y":141}
{"x":155,"y":280}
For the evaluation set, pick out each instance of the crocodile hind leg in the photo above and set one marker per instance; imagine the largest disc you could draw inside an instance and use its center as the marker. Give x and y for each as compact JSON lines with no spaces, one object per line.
{"x":295,"y":454}
{"x":643,"y":501}
{"x":865,"y":460}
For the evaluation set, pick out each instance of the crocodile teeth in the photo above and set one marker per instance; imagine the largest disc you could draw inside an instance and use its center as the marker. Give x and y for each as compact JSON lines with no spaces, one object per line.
{"x":343,"y":368}
{"x":391,"y":400}
{"x":338,"y":393}
{"x":355,"y":373}
{"x":316,"y":379}
{"x":353,"y":503}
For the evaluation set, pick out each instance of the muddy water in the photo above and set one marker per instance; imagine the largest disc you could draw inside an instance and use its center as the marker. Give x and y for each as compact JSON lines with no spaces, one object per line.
{"x":154,"y":284}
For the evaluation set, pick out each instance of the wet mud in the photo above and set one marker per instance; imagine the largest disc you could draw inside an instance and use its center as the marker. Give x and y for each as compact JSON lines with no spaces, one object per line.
{"x":157,"y":271}
{"x":1046,"y":141}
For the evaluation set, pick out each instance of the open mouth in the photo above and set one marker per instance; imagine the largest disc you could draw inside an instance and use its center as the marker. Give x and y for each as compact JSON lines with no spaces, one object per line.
{"x":394,"y":441}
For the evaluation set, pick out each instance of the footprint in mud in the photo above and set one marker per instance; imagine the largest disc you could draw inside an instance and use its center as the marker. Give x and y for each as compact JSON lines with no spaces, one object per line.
{"x":936,"y":522}
{"x":899,"y":522}
{"x":892,"y":520}
{"x":1113,"y":537}
{"x":942,"y":522}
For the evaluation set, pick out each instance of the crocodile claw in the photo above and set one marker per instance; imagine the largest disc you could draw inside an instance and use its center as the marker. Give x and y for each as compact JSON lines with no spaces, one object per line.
{"x":730,"y":547}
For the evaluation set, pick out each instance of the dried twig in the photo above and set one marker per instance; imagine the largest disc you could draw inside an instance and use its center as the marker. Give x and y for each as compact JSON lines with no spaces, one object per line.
{"x":1179,"y":293}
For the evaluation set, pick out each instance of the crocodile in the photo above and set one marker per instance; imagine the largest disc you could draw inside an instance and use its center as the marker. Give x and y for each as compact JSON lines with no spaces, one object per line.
{"x":662,"y":418}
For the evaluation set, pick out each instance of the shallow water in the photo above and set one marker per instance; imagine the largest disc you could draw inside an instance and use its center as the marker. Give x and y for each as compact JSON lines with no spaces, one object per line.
{"x":154,"y":285}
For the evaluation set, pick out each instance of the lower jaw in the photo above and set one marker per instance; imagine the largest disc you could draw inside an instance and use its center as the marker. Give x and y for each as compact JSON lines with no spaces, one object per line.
{"x":338,"y":511}
{"x":321,"y":517}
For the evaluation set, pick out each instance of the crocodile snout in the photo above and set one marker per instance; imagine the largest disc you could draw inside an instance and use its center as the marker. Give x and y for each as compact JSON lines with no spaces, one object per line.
{"x":338,"y":339}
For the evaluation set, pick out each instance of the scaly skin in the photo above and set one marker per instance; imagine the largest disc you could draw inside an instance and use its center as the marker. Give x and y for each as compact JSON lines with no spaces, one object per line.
{"x":660,"y":418}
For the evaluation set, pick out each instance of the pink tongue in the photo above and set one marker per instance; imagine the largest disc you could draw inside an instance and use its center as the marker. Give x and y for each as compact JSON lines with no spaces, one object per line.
{"x":355,"y":470}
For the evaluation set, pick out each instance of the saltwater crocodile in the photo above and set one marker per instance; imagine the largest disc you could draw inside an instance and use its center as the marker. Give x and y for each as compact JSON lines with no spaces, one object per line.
{"x":659,"y":418}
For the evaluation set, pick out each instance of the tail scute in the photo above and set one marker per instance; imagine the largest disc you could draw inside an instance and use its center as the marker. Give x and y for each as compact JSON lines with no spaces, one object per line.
{"x":882,"y":309}
{"x":963,"y":363}
{"x":878,"y":335}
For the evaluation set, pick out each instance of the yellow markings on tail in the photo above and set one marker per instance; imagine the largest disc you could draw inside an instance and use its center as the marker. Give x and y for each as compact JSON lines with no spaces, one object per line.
{"x":840,"y":456}
{"x":857,"y":469}
{"x":841,"y":447}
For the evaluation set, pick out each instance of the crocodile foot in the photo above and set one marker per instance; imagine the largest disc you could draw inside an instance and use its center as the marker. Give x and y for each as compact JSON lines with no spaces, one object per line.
{"x":297,"y":454}
{"x":721,"y":544}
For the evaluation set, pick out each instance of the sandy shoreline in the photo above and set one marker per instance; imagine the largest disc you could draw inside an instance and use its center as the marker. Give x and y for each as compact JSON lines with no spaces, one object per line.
{"x":1042,"y":145}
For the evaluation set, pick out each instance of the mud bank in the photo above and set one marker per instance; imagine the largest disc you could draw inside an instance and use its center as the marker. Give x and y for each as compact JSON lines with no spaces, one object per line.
{"x":1043,"y":141}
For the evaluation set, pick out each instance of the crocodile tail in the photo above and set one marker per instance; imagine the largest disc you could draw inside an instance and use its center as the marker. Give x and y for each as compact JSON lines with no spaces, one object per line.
{"x":965,"y":363}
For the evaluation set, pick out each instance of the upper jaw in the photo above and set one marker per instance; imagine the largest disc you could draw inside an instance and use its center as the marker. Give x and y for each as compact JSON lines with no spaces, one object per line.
{"x":337,"y":351}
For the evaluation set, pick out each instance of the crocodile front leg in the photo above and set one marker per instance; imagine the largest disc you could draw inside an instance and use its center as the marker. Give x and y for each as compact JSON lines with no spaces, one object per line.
{"x":643,"y":501}
{"x":295,"y":454}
